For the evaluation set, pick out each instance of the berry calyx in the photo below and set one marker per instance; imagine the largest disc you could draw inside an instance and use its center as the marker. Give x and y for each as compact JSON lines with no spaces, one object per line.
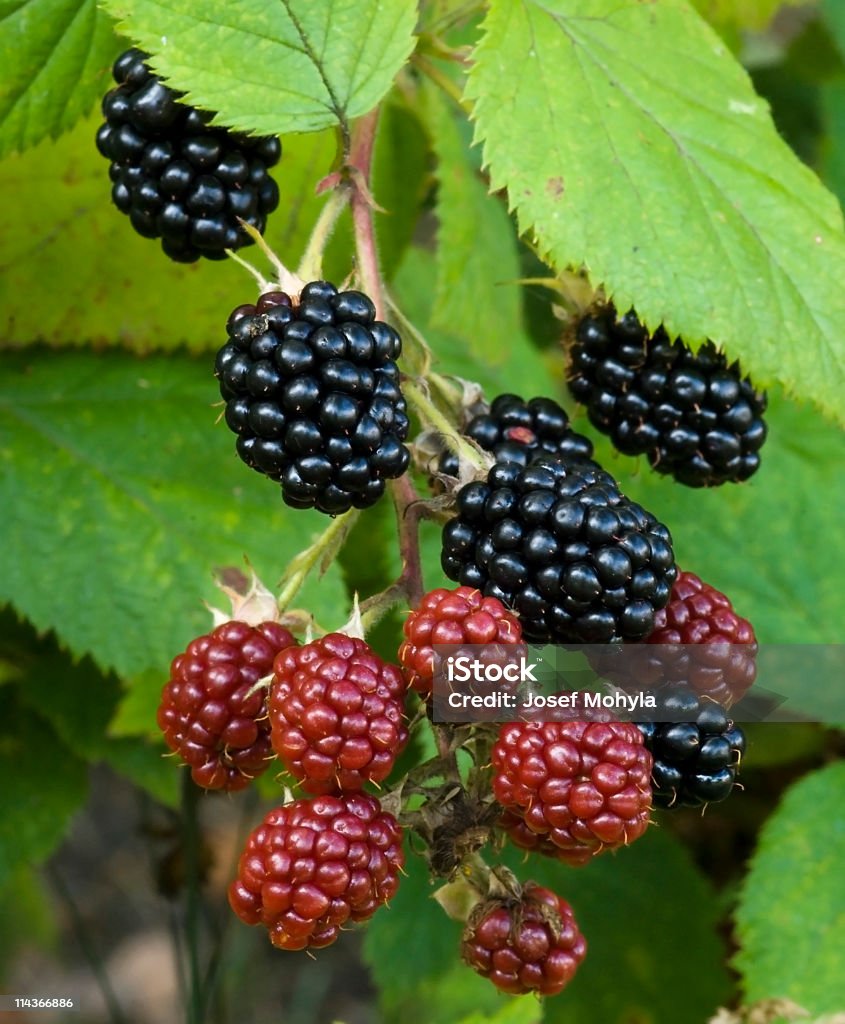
{"x":337,"y":716}
{"x":693,"y":415}
{"x":518,"y":431}
{"x":313,"y":865}
{"x":530,"y":944}
{"x":559,"y":544}
{"x":697,"y":749}
{"x":584,"y":787}
{"x":460,"y":616}
{"x":312,"y":392}
{"x":211,"y":712}
{"x":176,"y":177}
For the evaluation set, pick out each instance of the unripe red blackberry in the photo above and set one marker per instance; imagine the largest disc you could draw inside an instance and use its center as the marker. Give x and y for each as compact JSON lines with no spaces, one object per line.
{"x":584,"y":786}
{"x":336,"y":714}
{"x":697,"y":749}
{"x":177,"y":178}
{"x":460,"y":616}
{"x":315,"y":864}
{"x":210,"y":712}
{"x":692,"y":414}
{"x":524,"y":945}
{"x":559,"y":544}
{"x":518,"y":431}
{"x":312,"y":391}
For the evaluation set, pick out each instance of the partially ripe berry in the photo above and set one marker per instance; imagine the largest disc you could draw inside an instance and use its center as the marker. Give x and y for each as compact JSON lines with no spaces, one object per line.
{"x":584,"y":787}
{"x":528,"y":945}
{"x":211,"y":713}
{"x":336,"y":713}
{"x":313,"y":865}
{"x":460,"y":616}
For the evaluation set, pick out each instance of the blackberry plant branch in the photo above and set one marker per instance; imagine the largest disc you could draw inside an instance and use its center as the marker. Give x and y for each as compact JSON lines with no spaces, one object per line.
{"x":431,"y":416}
{"x":311,"y":264}
{"x":358,"y":167}
{"x":320,"y":553}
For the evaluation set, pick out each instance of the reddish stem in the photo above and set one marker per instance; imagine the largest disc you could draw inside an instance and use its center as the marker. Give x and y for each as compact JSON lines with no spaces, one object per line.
{"x":409,"y":510}
{"x":358,"y":166}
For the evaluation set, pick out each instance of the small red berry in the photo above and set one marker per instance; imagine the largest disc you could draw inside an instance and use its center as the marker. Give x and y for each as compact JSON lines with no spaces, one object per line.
{"x":315,"y":864}
{"x":460,"y":616}
{"x":584,"y":787}
{"x":527,"y":945}
{"x":337,"y":714}
{"x":210,"y":712}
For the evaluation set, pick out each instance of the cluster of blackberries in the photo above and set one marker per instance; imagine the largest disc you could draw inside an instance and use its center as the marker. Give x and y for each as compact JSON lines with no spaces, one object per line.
{"x":177,"y":178}
{"x":693,"y":415}
{"x":558,"y":543}
{"x":312,"y":391}
{"x":518,"y":431}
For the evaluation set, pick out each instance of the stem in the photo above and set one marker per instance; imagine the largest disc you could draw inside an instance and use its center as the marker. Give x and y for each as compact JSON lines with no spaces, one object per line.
{"x":408,"y":512}
{"x":434,"y":418}
{"x":322,"y":550}
{"x":360,"y":161}
{"x":87,"y":946}
{"x":440,"y":79}
{"x":311,"y":265}
{"x":191,"y":845}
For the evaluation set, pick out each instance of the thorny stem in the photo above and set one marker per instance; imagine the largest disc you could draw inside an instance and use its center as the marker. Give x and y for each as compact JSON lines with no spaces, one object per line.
{"x":360,"y":160}
{"x":409,"y":510}
{"x":324,"y":548}
{"x":434,"y":418}
{"x":311,"y":265}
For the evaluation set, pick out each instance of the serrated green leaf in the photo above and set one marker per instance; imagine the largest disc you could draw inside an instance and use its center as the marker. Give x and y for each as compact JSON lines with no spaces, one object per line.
{"x":56,"y":57}
{"x":274,"y":66}
{"x":779,"y":556}
{"x":122,"y":495}
{"x":49,"y":786}
{"x":791,"y":915}
{"x":111,"y":287}
{"x":670,"y":186}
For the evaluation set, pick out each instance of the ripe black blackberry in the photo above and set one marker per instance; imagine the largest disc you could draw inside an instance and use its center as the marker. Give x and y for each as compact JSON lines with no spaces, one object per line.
{"x":560,"y":545}
{"x":696,"y":749}
{"x":177,"y":178}
{"x":518,"y":431}
{"x":692,"y":414}
{"x":312,"y":391}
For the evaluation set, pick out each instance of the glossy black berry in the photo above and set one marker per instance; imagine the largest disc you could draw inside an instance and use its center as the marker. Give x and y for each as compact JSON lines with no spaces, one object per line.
{"x":559,"y":543}
{"x":174,"y":176}
{"x":692,"y":415}
{"x":323,"y":417}
{"x":518,"y":431}
{"x":697,"y":749}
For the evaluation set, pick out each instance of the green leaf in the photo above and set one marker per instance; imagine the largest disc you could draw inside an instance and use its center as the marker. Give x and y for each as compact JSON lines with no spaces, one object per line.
{"x":274,"y":66}
{"x":56,"y":56}
{"x":791,"y":915}
{"x":832,"y":102}
{"x":27,"y":918}
{"x":514,"y":1011}
{"x":778,"y":554}
{"x":477,"y":259}
{"x":121,"y":495}
{"x":672,"y":189}
{"x":49,"y":786}
{"x":108,"y":285}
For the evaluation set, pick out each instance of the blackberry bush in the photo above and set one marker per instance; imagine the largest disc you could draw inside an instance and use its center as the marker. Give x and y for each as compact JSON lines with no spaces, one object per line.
{"x":336,"y":714}
{"x":518,"y":431}
{"x":697,"y":749}
{"x":559,"y":544}
{"x":212,"y":714}
{"x":312,"y":392}
{"x":176,"y":177}
{"x":694,"y":415}
{"x":313,"y":866}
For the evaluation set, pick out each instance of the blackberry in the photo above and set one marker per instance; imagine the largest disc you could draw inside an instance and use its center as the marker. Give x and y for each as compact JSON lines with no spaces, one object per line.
{"x":518,"y":431}
{"x":313,"y":865}
{"x":696,"y":748}
{"x":312,"y":391}
{"x":559,"y":544}
{"x":337,"y":716}
{"x":693,"y":415}
{"x":176,"y":177}
{"x":210,"y":712}
{"x":580,"y":787}
{"x":526,"y":944}
{"x":460,"y":616}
